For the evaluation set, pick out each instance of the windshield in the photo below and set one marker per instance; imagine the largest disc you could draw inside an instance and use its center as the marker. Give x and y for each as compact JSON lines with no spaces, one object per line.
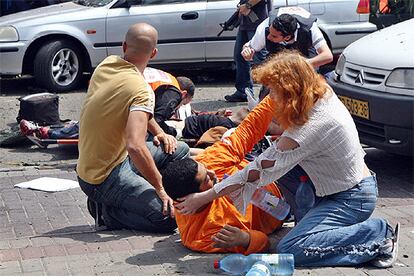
{"x":92,"y":3}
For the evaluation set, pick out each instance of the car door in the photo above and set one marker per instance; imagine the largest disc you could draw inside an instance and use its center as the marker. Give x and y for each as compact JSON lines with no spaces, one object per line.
{"x":180,"y":26}
{"x":219,"y":48}
{"x":296,"y":3}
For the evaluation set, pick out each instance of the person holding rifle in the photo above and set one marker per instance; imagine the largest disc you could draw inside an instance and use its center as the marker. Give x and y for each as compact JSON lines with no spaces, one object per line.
{"x":252,"y":13}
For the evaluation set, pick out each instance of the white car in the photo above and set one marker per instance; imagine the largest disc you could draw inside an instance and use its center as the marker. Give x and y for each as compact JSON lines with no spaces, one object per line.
{"x":374,"y":78}
{"x":58,"y":42}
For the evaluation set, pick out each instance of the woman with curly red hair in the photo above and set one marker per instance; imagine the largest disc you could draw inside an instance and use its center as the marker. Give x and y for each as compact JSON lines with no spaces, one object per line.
{"x":320,"y":140}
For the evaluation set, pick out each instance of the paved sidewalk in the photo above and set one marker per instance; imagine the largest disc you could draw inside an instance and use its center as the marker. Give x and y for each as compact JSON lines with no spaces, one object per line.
{"x":52,"y":234}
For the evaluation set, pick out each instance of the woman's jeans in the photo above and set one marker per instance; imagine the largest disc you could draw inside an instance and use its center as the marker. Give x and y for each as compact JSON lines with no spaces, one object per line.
{"x":338,"y":230}
{"x":129,"y":200}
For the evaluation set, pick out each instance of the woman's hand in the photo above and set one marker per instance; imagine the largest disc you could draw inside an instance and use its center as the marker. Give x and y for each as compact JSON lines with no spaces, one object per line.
{"x":190,"y":204}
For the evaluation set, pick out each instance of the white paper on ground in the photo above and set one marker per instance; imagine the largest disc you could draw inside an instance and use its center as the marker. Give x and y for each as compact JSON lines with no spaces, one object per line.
{"x":49,"y":184}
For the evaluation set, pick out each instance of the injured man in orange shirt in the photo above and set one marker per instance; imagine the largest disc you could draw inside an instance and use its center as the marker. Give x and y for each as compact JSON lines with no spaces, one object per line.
{"x":218,"y":226}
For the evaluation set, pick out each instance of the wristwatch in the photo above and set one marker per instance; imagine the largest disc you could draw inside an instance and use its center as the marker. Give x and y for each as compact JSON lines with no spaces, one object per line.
{"x":248,"y":5}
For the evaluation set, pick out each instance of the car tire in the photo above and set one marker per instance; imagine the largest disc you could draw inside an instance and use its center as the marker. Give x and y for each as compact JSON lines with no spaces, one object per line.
{"x":58,"y":66}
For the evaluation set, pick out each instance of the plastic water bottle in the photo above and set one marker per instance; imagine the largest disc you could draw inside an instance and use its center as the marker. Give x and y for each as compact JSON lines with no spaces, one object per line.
{"x":271,"y":204}
{"x":304,"y":197}
{"x":236,"y":264}
{"x":259,"y":268}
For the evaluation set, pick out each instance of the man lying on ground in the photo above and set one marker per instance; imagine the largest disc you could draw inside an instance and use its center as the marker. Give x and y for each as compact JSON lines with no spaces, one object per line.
{"x":218,"y":226}
{"x":192,"y":127}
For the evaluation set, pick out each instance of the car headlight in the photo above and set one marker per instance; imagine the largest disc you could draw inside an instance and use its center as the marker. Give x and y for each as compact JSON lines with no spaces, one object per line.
{"x":401,"y":78}
{"x":340,"y":65}
{"x":8,"y":34}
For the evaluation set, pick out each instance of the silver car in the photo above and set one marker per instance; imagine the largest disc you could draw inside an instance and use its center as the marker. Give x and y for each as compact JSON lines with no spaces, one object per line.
{"x":58,"y":43}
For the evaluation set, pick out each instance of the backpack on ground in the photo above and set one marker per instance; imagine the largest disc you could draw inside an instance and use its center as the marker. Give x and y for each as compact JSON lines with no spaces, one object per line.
{"x":40,"y":108}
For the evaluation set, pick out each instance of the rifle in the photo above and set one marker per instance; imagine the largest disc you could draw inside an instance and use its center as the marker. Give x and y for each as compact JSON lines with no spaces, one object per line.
{"x":234,"y":20}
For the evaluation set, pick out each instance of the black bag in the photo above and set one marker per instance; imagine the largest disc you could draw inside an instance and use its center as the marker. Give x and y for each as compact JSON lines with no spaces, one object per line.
{"x":41,"y":108}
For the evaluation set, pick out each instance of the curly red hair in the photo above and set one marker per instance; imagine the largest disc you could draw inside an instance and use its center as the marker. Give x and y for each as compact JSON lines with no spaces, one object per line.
{"x":294,"y":86}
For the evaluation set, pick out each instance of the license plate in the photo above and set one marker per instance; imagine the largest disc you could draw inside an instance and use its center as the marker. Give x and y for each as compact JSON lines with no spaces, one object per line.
{"x":356,"y":107}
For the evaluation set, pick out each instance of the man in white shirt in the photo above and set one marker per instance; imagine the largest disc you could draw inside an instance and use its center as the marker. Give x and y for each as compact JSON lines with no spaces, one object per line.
{"x":290,"y":28}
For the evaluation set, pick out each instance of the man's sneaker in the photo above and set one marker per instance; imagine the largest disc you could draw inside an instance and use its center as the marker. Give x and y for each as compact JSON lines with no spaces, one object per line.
{"x":388,"y":259}
{"x":28,"y":128}
{"x":236,"y":97}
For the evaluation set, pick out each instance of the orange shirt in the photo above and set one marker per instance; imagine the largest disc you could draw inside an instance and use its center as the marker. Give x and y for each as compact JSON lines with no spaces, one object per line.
{"x":227,"y":157}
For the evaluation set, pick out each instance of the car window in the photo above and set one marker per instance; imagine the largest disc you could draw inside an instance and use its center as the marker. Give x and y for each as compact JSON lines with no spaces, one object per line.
{"x":13,"y":6}
{"x":92,"y":3}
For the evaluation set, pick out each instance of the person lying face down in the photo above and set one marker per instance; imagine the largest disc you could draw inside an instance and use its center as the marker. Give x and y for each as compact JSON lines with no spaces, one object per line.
{"x":218,"y":226}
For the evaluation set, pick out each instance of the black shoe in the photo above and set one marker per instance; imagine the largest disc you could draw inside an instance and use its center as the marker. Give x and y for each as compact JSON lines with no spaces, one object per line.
{"x":95,"y":209}
{"x":235,"y":98}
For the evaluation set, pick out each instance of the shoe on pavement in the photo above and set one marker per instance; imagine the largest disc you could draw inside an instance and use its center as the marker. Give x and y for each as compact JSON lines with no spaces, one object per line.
{"x":95,"y":209}
{"x":28,"y":128}
{"x":388,"y":259}
{"x":236,"y":98}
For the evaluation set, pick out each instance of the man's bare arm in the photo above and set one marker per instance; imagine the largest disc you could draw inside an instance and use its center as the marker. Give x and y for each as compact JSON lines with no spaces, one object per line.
{"x":154,"y":128}
{"x":138,"y":151}
{"x":324,"y":56}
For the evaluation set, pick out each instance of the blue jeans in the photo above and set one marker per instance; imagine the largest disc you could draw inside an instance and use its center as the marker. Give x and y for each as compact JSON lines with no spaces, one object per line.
{"x":129,"y":200}
{"x":338,"y":230}
{"x":243,"y":78}
{"x":69,"y":131}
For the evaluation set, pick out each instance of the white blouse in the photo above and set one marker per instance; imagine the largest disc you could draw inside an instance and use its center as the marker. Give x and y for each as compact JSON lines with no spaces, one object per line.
{"x":329,"y":151}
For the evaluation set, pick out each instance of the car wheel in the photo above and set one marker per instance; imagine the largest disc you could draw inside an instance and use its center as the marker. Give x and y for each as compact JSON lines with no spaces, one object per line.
{"x":58,"y":66}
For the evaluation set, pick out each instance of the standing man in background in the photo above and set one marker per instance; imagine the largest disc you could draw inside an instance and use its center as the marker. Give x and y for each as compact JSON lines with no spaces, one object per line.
{"x":252,"y":13}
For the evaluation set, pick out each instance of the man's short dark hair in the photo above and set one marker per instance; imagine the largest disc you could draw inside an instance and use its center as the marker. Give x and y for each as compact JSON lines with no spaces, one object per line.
{"x":179,"y":178}
{"x":186,"y":84}
{"x":286,"y":24}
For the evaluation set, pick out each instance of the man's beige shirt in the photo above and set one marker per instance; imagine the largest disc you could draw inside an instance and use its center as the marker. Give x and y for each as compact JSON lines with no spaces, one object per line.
{"x":116,"y":88}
